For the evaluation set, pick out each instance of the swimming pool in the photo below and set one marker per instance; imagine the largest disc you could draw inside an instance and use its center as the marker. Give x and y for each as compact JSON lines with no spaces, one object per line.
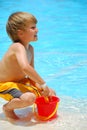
{"x":62,"y":43}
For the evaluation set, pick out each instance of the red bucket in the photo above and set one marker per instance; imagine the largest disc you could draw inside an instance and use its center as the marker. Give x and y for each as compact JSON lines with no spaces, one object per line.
{"x":47,"y":110}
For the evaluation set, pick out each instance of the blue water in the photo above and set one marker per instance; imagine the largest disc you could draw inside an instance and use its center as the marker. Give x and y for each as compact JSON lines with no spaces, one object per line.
{"x":61,"y":49}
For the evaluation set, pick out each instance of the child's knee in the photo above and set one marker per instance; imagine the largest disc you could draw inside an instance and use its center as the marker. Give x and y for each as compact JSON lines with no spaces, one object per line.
{"x":28,"y":98}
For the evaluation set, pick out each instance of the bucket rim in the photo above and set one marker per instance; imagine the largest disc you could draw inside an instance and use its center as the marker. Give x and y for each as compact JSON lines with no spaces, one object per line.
{"x":51,"y":102}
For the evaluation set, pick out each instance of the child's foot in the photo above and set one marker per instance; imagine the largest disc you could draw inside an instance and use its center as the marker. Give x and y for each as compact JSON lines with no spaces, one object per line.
{"x":10,"y":113}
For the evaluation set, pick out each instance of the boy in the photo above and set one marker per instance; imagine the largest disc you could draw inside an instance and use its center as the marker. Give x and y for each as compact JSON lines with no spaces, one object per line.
{"x":20,"y":84}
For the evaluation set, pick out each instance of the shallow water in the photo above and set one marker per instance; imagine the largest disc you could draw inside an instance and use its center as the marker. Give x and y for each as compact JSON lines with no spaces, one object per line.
{"x":71,"y":116}
{"x":62,"y":42}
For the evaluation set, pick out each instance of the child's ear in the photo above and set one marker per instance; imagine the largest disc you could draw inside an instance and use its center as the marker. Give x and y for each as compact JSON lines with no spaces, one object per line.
{"x":20,"y":33}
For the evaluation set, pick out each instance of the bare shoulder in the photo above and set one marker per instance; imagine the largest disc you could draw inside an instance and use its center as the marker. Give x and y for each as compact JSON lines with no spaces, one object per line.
{"x":16,"y":46}
{"x":14,"y":49}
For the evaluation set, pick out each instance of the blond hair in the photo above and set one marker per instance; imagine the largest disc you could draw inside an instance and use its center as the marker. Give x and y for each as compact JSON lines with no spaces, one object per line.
{"x":16,"y":21}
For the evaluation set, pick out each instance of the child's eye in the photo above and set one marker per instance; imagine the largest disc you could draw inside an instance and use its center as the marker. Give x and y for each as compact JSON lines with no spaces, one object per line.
{"x":33,"y":27}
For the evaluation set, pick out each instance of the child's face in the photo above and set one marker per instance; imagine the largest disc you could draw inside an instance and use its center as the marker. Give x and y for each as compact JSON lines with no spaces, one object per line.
{"x":30,"y":34}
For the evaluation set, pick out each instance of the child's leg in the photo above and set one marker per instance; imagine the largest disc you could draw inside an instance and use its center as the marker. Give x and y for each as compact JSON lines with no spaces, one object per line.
{"x":25,"y":100}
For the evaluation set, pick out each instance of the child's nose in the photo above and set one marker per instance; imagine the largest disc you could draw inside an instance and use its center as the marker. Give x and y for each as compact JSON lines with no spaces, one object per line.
{"x":36,"y":29}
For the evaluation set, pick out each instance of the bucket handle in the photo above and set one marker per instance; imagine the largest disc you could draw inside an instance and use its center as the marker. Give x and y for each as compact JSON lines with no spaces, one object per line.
{"x":43,"y":117}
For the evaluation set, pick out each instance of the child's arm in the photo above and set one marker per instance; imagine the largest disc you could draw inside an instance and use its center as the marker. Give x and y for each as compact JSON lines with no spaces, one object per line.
{"x":28,"y":70}
{"x":20,"y":54}
{"x":32,"y":52}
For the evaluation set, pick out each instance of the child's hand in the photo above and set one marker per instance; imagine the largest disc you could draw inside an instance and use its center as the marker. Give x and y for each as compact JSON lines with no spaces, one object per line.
{"x":47,"y":92}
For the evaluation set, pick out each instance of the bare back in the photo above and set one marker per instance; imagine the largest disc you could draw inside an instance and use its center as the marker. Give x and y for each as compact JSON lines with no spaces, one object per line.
{"x":10,"y":65}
